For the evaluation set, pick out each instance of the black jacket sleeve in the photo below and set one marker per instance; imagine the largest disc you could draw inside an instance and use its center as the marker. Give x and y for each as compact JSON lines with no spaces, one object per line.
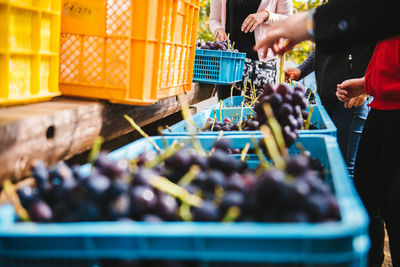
{"x":343,"y":23}
{"x":307,"y":66}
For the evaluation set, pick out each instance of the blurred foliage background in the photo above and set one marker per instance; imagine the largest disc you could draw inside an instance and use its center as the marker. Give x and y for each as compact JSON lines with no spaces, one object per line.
{"x":297,"y":55}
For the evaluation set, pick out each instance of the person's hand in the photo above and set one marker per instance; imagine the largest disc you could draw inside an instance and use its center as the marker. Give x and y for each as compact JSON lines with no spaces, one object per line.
{"x":220,"y":35}
{"x":293,"y":28}
{"x":253,"y":20}
{"x":350,"y":89}
{"x":292,"y":74}
{"x":356,"y":101}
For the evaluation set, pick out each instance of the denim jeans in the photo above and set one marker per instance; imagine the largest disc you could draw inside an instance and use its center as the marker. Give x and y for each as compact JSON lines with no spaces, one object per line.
{"x":349,"y":124}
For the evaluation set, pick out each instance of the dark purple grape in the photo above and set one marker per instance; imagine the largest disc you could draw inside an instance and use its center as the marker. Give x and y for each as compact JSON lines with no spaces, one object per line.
{"x":141,"y":176}
{"x":293,"y":123}
{"x":116,"y":189}
{"x":119,"y":207}
{"x":269,"y":186}
{"x":284,"y":89}
{"x":202,"y":162}
{"x":207,"y":212}
{"x":288,"y":98}
{"x":217,"y":128}
{"x":236,"y":151}
{"x":223,"y":144}
{"x":268,"y":89}
{"x":221,"y":161}
{"x":27,"y":195}
{"x":259,"y":92}
{"x":214,"y":178}
{"x":298,"y":98}
{"x":226,"y":128}
{"x":40,"y":172}
{"x":285,"y":110}
{"x":297,"y":110}
{"x":276,"y":100}
{"x":143,"y":199}
{"x":110,"y":168}
{"x":299,"y":89}
{"x":304,"y":114}
{"x":39,"y":211}
{"x":96,"y":186}
{"x":230,"y":199}
{"x":201,"y":179}
{"x":167,"y":206}
{"x":253,"y":125}
{"x":60,"y":173}
{"x":317,"y":207}
{"x":180,"y":161}
{"x":236,"y":126}
{"x":235,"y":183}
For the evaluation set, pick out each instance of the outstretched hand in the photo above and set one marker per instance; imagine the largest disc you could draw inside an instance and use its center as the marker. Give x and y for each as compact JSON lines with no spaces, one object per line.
{"x":293,"y":29}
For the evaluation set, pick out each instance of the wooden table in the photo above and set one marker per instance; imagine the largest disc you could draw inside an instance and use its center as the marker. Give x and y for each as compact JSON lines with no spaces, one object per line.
{"x":64,"y":127}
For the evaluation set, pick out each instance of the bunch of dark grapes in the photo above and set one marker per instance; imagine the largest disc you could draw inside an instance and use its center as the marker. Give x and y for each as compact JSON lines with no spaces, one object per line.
{"x":311,"y":96}
{"x":249,"y":124}
{"x":288,"y":105}
{"x":112,"y":191}
{"x":297,"y":194}
{"x":217,"y":45}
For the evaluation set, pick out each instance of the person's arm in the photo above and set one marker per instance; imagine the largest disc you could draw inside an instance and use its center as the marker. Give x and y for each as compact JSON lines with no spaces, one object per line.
{"x":284,"y":8}
{"x":215,"y":16}
{"x":342,"y":23}
{"x":307,"y":66}
{"x":335,"y":25}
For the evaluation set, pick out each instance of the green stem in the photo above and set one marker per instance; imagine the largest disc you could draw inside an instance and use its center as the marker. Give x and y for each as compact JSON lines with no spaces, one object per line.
{"x":307,"y":123}
{"x":232,"y":214}
{"x":95,"y":149}
{"x":137,"y":128}
{"x":244,"y":152}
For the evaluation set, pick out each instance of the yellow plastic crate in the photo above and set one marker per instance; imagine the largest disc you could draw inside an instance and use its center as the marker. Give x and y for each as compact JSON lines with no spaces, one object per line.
{"x":128,"y":51}
{"x":29,"y":50}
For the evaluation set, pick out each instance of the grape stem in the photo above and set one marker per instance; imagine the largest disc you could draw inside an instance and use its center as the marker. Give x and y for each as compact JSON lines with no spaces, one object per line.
{"x":244,"y":152}
{"x":276,"y":129}
{"x":231,"y":214}
{"x":272,"y":147}
{"x":307,"y":122}
{"x":95,"y":149}
{"x":189,"y":176}
{"x":14,"y":199}
{"x":166,"y":186}
{"x":145,"y":135}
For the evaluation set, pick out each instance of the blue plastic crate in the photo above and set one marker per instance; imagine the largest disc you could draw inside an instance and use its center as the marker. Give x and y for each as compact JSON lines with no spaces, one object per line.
{"x":341,"y":243}
{"x":218,"y":67}
{"x":319,"y":115}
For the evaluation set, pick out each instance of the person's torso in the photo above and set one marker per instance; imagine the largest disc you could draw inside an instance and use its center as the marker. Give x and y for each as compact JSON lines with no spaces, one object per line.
{"x":382,"y":79}
{"x":236,"y":12}
{"x":333,"y":69}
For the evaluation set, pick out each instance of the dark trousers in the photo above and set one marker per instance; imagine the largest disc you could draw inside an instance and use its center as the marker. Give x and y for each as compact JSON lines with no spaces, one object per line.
{"x":377,"y":180}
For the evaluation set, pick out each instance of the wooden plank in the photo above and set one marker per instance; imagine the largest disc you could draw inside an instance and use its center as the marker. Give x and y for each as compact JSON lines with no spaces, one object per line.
{"x":64,"y":127}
